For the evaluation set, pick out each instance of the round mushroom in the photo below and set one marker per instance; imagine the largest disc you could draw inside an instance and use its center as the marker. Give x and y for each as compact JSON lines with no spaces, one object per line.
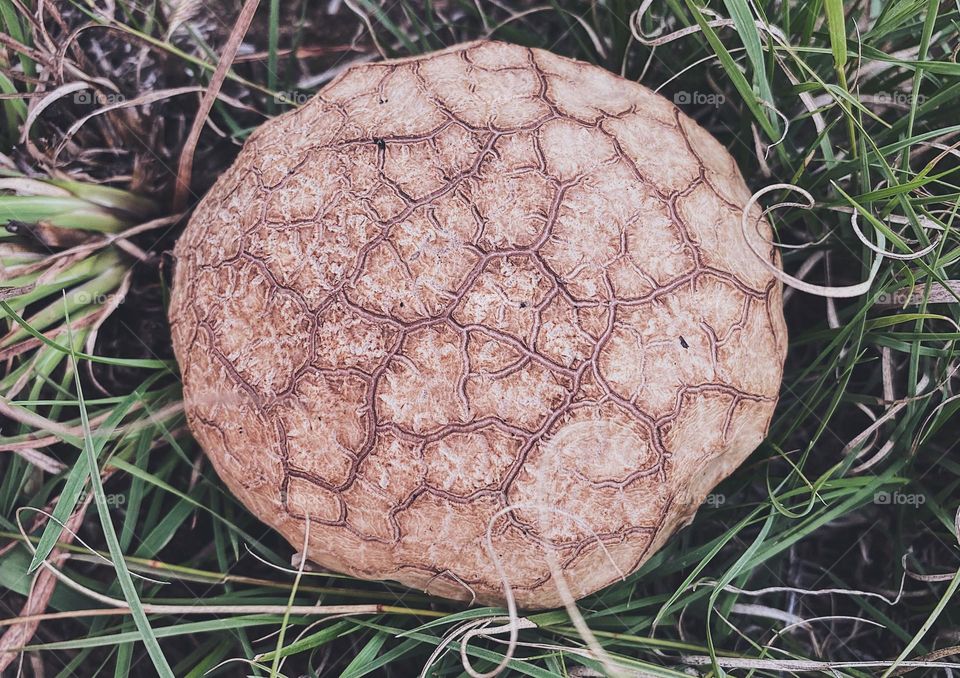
{"x":485,"y":310}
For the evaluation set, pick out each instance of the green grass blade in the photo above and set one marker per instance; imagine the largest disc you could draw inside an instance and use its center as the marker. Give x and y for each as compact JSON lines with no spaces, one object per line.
{"x":91,"y":454}
{"x":746,"y":28}
{"x":79,"y":474}
{"x":734,"y":73}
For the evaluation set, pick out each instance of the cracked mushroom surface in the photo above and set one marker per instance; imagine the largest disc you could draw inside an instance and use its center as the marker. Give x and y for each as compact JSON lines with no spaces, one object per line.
{"x":486,"y":291}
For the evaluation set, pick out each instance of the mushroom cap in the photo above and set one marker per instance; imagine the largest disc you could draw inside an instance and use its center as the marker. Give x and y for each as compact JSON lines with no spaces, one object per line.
{"x":485,"y":310}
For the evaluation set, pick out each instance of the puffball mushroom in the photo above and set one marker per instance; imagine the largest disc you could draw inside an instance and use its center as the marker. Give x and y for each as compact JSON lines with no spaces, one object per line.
{"x":486,"y":314}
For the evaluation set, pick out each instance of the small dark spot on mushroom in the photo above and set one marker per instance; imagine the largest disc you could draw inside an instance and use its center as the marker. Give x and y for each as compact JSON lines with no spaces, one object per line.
{"x":401,"y":304}
{"x":381,"y":144}
{"x":523,"y":304}
{"x":683,"y":342}
{"x":382,"y":100}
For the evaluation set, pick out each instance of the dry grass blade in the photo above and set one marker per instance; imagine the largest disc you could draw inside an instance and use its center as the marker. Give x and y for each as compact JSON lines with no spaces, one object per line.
{"x":185,"y":166}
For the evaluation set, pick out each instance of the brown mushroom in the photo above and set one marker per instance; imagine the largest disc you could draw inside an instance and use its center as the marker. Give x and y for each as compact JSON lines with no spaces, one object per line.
{"x":487,"y":294}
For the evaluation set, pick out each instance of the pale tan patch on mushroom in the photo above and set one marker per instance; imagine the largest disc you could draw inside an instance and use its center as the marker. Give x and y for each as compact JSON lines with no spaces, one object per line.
{"x":512,"y":205}
{"x":505,"y":296}
{"x":324,"y":420}
{"x":522,"y":397}
{"x":483,"y":96}
{"x":719,"y":236}
{"x":489,"y":289}
{"x":560,"y":336}
{"x":419,"y":388}
{"x":656,"y":150}
{"x":489,"y":457}
{"x":267,"y":360}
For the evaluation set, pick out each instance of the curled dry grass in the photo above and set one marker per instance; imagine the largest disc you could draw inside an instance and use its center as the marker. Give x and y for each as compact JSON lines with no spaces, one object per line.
{"x":833,"y":550}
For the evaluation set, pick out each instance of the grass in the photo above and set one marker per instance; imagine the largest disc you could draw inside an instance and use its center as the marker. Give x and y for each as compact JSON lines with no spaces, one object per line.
{"x":833,"y":550}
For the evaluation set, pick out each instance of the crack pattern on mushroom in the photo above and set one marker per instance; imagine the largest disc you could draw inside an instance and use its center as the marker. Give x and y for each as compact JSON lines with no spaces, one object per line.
{"x":481,"y":278}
